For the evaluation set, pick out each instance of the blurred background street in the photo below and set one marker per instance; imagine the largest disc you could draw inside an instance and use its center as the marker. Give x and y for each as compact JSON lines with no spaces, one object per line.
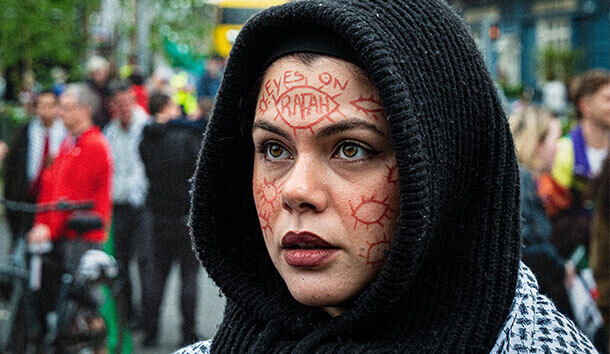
{"x":209,"y":311}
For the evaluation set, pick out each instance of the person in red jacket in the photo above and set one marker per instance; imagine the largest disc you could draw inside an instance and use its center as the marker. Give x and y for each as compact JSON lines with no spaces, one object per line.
{"x":82,"y":170}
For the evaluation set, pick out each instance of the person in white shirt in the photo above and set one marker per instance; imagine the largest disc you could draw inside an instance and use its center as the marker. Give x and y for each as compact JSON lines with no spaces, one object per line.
{"x":130,"y":220}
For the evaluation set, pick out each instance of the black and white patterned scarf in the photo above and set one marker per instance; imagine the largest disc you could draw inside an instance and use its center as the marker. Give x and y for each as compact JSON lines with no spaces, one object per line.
{"x":533,"y":326}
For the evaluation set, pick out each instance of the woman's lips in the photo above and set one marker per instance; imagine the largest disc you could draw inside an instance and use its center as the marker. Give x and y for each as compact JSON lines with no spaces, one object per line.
{"x":305,"y":249}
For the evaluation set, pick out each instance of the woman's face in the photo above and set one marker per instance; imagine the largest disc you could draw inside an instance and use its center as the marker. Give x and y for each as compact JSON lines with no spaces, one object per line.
{"x":325,"y":179}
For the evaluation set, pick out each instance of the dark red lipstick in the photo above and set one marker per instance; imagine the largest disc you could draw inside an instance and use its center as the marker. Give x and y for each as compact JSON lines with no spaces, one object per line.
{"x":305,"y":249}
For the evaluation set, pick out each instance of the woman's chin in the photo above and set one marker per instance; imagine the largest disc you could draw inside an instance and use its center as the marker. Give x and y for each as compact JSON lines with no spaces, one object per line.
{"x":326,"y":287}
{"x":318,"y":295}
{"x":314,"y":301}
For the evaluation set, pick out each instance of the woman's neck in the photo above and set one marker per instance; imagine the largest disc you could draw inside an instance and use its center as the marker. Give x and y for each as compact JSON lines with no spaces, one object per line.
{"x":334,"y":311}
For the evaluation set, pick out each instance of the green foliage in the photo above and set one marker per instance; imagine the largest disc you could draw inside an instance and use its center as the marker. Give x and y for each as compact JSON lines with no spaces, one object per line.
{"x":11,"y":118}
{"x":511,"y":91}
{"x":558,"y":62}
{"x":187,"y":23}
{"x":36,"y":35}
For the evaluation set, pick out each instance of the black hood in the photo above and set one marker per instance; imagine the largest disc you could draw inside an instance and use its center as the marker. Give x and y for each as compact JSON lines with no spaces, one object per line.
{"x":451,"y":271}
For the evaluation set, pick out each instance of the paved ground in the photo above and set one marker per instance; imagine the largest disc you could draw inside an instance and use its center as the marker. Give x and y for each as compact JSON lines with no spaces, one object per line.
{"x":210,"y":306}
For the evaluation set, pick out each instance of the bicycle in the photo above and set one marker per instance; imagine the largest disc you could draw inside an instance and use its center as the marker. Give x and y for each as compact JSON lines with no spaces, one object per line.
{"x":69,"y":324}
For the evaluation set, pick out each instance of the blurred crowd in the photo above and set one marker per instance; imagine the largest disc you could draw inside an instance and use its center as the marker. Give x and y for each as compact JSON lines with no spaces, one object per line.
{"x":128,"y":143}
{"x":562,"y":147}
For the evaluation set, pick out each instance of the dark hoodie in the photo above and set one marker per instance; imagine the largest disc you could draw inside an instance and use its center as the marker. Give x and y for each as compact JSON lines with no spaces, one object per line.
{"x":451,"y":271}
{"x":169,"y":152}
{"x":101,"y":116}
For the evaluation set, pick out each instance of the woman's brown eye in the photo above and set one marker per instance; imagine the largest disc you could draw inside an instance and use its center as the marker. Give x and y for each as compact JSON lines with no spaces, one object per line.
{"x":350,"y":150}
{"x":275,"y":151}
{"x":354,"y":152}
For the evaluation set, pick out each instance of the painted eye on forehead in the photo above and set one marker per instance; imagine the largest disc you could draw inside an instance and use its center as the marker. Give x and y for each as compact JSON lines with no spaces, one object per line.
{"x":319,"y":99}
{"x":302,"y":100}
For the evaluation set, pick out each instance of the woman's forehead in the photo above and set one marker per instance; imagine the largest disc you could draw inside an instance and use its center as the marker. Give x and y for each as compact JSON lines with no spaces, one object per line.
{"x":299,"y":96}
{"x":329,"y":69}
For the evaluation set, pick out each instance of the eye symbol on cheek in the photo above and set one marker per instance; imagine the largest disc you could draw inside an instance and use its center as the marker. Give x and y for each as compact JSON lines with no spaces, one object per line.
{"x":375,"y":255}
{"x":370,"y":106}
{"x":268,"y":194}
{"x":392,"y":177}
{"x":265,"y":224}
{"x":370,"y":211}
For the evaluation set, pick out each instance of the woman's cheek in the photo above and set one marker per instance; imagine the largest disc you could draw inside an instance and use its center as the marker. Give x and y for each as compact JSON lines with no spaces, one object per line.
{"x":372,"y":214}
{"x":267,"y":197}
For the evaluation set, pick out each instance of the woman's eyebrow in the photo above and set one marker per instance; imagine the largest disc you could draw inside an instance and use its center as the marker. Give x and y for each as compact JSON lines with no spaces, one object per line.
{"x":348,"y":124}
{"x":271,"y":128}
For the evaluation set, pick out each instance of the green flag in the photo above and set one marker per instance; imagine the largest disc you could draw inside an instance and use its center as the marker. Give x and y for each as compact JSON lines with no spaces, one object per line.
{"x":110,"y":314}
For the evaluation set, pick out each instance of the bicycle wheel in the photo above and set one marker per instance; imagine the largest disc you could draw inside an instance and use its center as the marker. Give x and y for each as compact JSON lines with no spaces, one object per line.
{"x":14,"y":333}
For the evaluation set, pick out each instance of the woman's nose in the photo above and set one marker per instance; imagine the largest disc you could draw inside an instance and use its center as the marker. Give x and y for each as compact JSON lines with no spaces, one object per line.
{"x":304,"y":189}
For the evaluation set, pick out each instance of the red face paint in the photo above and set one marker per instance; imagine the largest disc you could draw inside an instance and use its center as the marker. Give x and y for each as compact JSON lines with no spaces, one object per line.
{"x":374,"y":253}
{"x":370,"y":211}
{"x":392,"y":177}
{"x":370,"y":106}
{"x":338,"y":207}
{"x":304,"y":107}
{"x":299,"y":105}
{"x":267,"y":200}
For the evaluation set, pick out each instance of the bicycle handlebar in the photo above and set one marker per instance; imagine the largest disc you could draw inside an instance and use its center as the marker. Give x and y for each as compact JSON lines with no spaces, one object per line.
{"x":60,"y":205}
